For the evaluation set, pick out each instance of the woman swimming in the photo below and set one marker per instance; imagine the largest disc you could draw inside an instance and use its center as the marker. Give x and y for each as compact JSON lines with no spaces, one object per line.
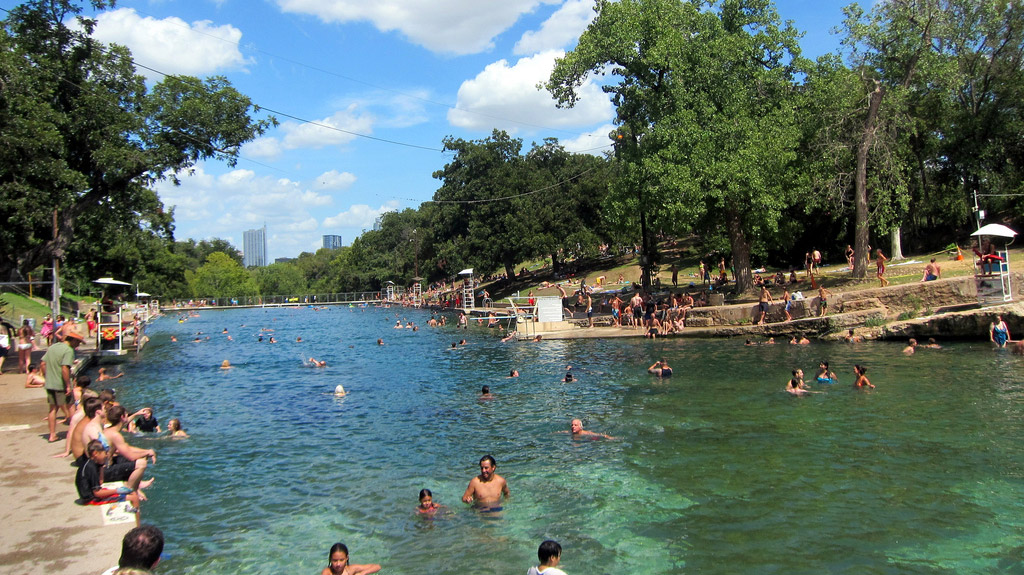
{"x":824,"y":375}
{"x":862,"y":380}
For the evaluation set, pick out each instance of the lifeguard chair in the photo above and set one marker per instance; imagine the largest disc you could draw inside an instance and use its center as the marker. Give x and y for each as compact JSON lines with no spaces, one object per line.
{"x":417,"y":292}
{"x":468,"y":298}
{"x":992,"y":264}
{"x":389,"y":291}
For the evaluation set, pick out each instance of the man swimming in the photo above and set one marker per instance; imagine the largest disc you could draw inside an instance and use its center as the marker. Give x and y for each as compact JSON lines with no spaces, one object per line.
{"x":486,"y":490}
{"x":577,"y":431}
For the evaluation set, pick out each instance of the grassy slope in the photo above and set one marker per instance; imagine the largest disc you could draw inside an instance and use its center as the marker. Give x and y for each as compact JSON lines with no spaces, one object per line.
{"x":835,"y":278}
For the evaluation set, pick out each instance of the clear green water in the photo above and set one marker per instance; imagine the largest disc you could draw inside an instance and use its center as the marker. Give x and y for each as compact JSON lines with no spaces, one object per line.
{"x":714,"y":471}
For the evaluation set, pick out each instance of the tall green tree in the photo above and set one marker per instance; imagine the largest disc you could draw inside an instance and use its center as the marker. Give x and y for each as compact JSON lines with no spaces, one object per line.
{"x":704,"y":96}
{"x":104,"y":139}
{"x":481,"y":207}
{"x":893,"y":48}
{"x":220,"y":277}
{"x":567,"y":209}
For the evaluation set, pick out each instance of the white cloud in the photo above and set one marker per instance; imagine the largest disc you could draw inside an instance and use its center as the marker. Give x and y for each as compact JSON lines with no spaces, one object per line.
{"x":263,"y":147}
{"x":594,"y":142}
{"x":225,"y":205}
{"x":337,"y":129}
{"x":172,"y":45}
{"x":503,"y":96}
{"x":449,"y":26}
{"x":560,"y":30}
{"x":334,"y":180}
{"x":359,"y":216}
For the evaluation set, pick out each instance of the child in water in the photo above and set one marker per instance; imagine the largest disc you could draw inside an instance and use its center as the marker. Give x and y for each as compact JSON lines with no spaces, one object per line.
{"x":338,"y":563}
{"x":427,"y":505}
{"x":174,"y":426}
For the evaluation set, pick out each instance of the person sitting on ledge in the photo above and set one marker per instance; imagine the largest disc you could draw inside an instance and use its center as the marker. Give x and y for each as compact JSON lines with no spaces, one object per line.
{"x":95,"y":472}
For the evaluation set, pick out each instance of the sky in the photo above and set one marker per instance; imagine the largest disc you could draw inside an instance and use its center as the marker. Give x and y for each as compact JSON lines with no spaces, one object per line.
{"x":365,"y":92}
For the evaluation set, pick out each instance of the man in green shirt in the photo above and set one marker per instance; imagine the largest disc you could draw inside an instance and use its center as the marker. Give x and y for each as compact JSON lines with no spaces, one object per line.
{"x":57,"y":364}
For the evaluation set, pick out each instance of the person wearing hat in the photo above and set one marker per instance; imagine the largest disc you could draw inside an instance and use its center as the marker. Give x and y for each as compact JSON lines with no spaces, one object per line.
{"x":57,"y":364}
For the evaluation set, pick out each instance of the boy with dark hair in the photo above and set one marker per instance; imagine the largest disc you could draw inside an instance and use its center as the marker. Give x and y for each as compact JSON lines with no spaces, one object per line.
{"x":140,"y":550}
{"x":550,"y":554}
{"x":95,"y":472}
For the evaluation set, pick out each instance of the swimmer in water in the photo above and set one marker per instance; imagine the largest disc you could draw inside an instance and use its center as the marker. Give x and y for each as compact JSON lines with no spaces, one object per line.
{"x":174,"y":426}
{"x":660,"y":369}
{"x":315,"y":363}
{"x":226,"y":364}
{"x":911,"y":346}
{"x":485,"y":392}
{"x":339,"y":391}
{"x":550,"y":555}
{"x":487,"y":489}
{"x":568,"y":374}
{"x":577,"y":431}
{"x":862,"y":380}
{"x":338,"y":563}
{"x":796,"y":385}
{"x":427,"y":505}
{"x":824,"y":375}
{"x":514,"y":373}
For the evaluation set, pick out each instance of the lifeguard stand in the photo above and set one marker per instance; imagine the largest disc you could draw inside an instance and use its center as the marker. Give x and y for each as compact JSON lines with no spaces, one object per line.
{"x":992,"y":266}
{"x":389,"y":291}
{"x":468,"y":302}
{"x":417,"y":292}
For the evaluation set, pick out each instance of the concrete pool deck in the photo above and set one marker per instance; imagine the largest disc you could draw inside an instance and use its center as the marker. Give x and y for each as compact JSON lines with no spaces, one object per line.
{"x":41,"y":526}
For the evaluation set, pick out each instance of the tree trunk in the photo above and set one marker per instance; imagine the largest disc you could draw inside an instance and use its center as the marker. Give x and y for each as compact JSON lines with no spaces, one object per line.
{"x":645,"y":251}
{"x":740,"y":249}
{"x":897,"y":247}
{"x":556,"y":266}
{"x":860,"y":191}
{"x":510,"y":272}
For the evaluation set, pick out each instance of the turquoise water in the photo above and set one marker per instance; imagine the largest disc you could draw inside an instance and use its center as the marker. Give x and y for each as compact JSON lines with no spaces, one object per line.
{"x":715,"y":470}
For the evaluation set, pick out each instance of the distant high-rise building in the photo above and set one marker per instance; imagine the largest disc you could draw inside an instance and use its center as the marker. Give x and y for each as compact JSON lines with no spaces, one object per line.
{"x":254,"y":247}
{"x":332,"y":242}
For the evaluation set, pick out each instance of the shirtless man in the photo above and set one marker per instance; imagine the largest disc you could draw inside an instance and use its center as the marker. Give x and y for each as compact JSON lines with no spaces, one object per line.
{"x":577,"y":431}
{"x":796,"y":385}
{"x":911,"y":346}
{"x":93,"y":420}
{"x":115,"y":417}
{"x":763,"y":303}
{"x":932,"y":272}
{"x":637,"y":303}
{"x":486,"y":489}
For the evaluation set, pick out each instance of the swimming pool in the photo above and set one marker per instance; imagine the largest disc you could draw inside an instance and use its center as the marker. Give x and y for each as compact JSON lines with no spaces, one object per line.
{"x":715,"y":470}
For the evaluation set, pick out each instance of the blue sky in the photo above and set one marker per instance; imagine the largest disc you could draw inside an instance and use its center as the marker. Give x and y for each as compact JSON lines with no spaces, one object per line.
{"x":408,"y":71}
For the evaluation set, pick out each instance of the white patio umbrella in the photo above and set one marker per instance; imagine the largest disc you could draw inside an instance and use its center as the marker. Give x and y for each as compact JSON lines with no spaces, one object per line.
{"x":111,"y":282}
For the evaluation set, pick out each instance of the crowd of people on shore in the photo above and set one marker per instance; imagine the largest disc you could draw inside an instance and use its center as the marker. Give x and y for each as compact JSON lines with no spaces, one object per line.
{"x":108,"y":468}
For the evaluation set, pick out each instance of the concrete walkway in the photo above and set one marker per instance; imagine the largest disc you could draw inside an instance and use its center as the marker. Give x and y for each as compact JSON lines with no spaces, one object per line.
{"x":42,"y":529}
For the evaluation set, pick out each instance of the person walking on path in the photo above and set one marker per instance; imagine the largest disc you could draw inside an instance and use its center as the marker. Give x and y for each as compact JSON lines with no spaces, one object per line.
{"x":880,"y":263}
{"x":26,"y":339}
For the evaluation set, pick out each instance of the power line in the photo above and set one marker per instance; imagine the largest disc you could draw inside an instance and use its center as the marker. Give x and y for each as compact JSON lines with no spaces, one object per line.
{"x":504,"y":198}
